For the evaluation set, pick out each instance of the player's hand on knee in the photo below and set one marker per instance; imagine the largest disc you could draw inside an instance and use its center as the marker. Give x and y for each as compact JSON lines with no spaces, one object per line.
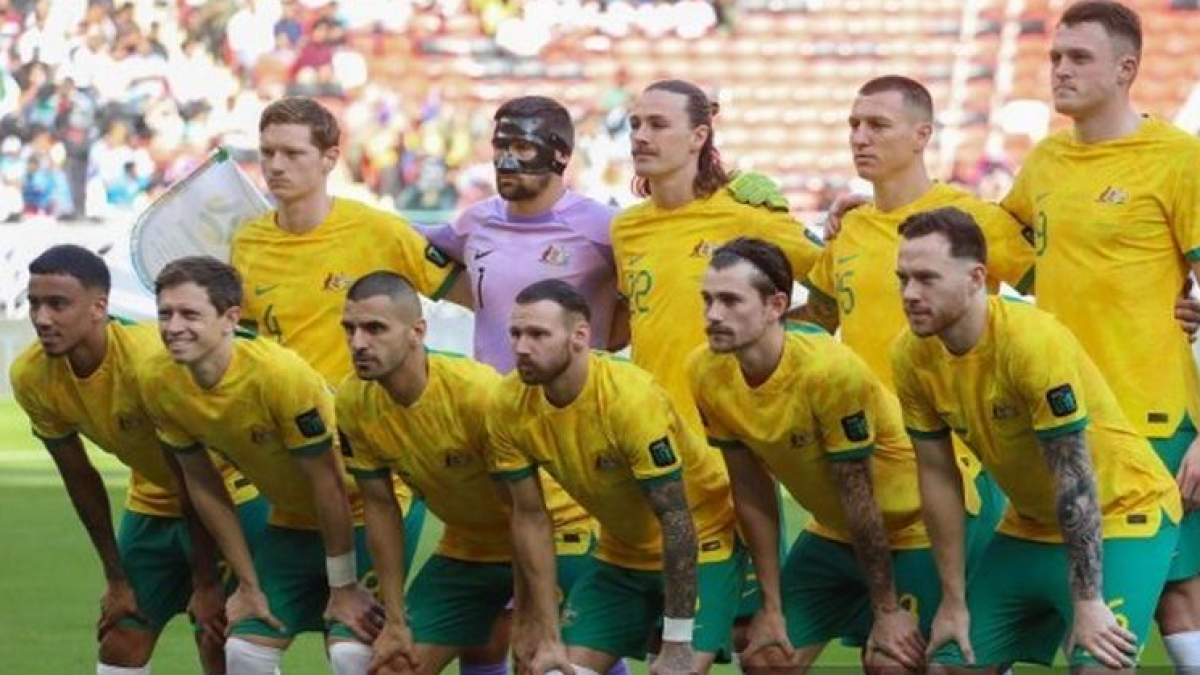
{"x":549,"y":656}
{"x":118,"y":602}
{"x":246,"y":603}
{"x":674,"y":658}
{"x":952,"y":623}
{"x":207,"y":609}
{"x":896,"y":635}
{"x":1188,"y":476}
{"x":1187,"y":311}
{"x":844,"y":204}
{"x":393,"y":652}
{"x":352,"y":606}
{"x":1097,"y":631}
{"x":766,"y":633}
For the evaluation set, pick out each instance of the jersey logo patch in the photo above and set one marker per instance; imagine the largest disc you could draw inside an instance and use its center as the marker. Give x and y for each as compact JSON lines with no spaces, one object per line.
{"x":337,"y":281}
{"x":438,"y":257}
{"x":456,"y":459}
{"x":1062,"y":400}
{"x":607,"y":462}
{"x":1157,"y":418}
{"x":1004,"y":411}
{"x":661,"y":452}
{"x":856,"y":428}
{"x":310,"y":423}
{"x":1113,"y":195}
{"x":555,"y":256}
{"x":702,"y":249}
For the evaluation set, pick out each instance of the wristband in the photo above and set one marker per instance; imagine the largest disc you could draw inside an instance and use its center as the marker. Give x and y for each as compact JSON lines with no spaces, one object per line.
{"x":677,"y":630}
{"x":341,"y":570}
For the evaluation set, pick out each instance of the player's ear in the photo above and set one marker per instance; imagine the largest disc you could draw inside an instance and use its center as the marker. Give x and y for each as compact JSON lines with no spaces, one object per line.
{"x":233,"y":315}
{"x":924,"y":134}
{"x":978,"y":277}
{"x":419,"y":328}
{"x":699,"y":136}
{"x":778,"y":305}
{"x":1127,"y":68}
{"x":329,"y":158}
{"x":100,"y":306}
{"x":581,"y":335}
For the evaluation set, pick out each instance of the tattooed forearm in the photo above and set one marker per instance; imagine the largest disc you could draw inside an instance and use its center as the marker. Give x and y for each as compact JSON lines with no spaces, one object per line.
{"x":1078,"y":511}
{"x":819,"y":310}
{"x":669,"y":502}
{"x":867,"y":531}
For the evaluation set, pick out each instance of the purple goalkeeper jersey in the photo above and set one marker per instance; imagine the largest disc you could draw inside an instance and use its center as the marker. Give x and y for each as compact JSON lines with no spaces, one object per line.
{"x":504,"y":253}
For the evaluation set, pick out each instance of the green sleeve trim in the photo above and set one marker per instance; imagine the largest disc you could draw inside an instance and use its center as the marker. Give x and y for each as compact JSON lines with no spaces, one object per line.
{"x":944,"y":432}
{"x":53,"y":443}
{"x":1025,"y":285}
{"x":805,"y":327}
{"x":850,"y":455}
{"x":447,"y":283}
{"x":1069,"y":428}
{"x":244,"y":332}
{"x":184,"y":449}
{"x":312,"y":450}
{"x":812,"y":288}
{"x":1193,"y":255}
{"x":516,"y":474}
{"x":726,"y":444}
{"x":370,"y":474}
{"x":121,"y":320}
{"x":648,"y":483}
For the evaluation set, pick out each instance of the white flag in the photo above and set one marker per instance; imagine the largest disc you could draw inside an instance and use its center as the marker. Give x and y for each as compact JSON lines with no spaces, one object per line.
{"x":198,"y":215}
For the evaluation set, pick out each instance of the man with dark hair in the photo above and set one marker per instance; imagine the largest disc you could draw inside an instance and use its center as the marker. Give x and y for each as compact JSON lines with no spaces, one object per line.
{"x":268,"y":412}
{"x":421,"y":415}
{"x":1083,"y":551}
{"x":611,"y":437}
{"x":790,"y":403}
{"x":535,"y":228}
{"x":80,"y":379}
{"x":1114,"y":203}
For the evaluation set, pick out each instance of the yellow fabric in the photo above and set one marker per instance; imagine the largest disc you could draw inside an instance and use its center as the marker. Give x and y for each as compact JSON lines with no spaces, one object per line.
{"x":806,"y":416}
{"x":661,"y":257}
{"x":106,"y":407}
{"x":269,"y":407}
{"x":1115,"y":226}
{"x":621,"y":430}
{"x":295,"y":286}
{"x":438,"y":447}
{"x":1028,"y":378}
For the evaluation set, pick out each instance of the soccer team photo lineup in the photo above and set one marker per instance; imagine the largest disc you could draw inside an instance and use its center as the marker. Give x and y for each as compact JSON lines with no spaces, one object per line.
{"x":563,"y":389}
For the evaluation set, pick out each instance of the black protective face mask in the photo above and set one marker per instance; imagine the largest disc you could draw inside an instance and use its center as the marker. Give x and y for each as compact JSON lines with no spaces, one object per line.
{"x":533,"y":131}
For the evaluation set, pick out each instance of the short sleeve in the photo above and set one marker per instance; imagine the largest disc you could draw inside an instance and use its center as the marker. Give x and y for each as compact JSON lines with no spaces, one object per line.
{"x":820,"y":277}
{"x":842,"y":406}
{"x":1043,"y":365}
{"x":157,"y":395}
{"x":801,"y":246}
{"x":50,"y":429}
{"x":303,"y":408}
{"x":431,"y":270}
{"x":445,"y":238}
{"x":362,"y":459}
{"x":1184,"y":219}
{"x":1010,"y":247}
{"x":921,"y":418}
{"x":505,"y":459}
{"x":1019,"y":200}
{"x":473,"y":410}
{"x":646,"y":428}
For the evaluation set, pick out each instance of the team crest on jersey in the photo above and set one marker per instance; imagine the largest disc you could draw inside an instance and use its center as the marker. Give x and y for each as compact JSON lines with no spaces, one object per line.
{"x":126,"y":422}
{"x":801,"y":439}
{"x":1062,"y":400}
{"x":661,"y":452}
{"x":1113,"y":195}
{"x":1004,"y":411}
{"x":260,"y":435}
{"x":337,"y":281}
{"x":310,"y":423}
{"x":703,"y":249}
{"x":555,"y":256}
{"x":856,"y":428}
{"x":456,"y":459}
{"x":607,"y":462}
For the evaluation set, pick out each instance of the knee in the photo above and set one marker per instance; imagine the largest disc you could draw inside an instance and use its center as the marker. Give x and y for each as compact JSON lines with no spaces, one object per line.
{"x":1178,"y":608}
{"x":127,"y":648}
{"x":251,"y":658}
{"x":349,"y":658}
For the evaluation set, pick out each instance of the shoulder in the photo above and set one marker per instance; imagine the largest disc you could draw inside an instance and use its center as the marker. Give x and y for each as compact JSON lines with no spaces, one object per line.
{"x":360,"y":214}
{"x":28,"y":370}
{"x":701,"y":365}
{"x":257,"y":228}
{"x":478,"y":214}
{"x":631,"y":215}
{"x":586,"y":216}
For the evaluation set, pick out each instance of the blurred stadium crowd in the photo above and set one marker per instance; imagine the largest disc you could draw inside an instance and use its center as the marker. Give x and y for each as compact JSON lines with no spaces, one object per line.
{"x":103,"y":104}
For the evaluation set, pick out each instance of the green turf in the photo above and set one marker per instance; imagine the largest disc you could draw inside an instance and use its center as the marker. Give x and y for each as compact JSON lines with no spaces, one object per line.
{"x":53,"y":583}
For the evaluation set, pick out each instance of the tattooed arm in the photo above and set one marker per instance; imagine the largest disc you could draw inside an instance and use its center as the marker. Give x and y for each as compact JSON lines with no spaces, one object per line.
{"x":669,"y":501}
{"x":895,"y":632}
{"x":1095,"y":628}
{"x":820,"y":310}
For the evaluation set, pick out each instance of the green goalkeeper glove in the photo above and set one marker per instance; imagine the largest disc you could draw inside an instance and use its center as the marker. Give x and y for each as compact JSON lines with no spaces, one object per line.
{"x":755,"y":189}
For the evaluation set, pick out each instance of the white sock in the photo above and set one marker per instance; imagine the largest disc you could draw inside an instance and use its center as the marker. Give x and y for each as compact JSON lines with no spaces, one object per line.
{"x":1184,"y":649}
{"x":579,"y":670}
{"x":349,"y":658}
{"x":105,"y":669}
{"x":243,"y":657}
{"x":736,"y":659}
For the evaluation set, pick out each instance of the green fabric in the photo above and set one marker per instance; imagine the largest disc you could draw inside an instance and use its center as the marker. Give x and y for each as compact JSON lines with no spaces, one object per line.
{"x":756,"y":189}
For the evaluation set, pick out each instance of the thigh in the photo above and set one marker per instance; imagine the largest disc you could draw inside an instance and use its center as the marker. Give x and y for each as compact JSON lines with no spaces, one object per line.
{"x":824,"y":596}
{"x":154,"y":554}
{"x":613,"y":610}
{"x":1014,"y":604}
{"x":718,"y":596}
{"x":456,"y":602}
{"x":414,"y":526}
{"x":981,"y":527}
{"x":918,"y":587}
{"x":291,"y":569}
{"x":1186,"y":562}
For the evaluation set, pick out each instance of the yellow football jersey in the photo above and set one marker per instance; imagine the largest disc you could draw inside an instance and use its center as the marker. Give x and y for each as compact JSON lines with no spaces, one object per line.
{"x":106,"y":408}
{"x":294,"y":285}
{"x":661,"y":257}
{"x":269,"y":407}
{"x":438,"y":447}
{"x":620,"y":432}
{"x":1029,"y":378}
{"x":858,"y":268}
{"x":1115,"y":225}
{"x":822,"y":404}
